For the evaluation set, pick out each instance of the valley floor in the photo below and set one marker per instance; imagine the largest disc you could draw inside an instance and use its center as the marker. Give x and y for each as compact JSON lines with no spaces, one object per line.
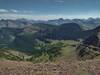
{"x":89,"y":67}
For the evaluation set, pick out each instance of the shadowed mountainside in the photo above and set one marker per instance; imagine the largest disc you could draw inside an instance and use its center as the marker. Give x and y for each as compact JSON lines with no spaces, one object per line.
{"x":25,"y":37}
{"x":90,"y":47}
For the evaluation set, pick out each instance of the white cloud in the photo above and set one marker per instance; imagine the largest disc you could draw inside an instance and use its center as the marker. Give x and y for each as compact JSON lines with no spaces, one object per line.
{"x":27,"y":11}
{"x":3,"y":10}
{"x":59,"y":1}
{"x":27,"y":16}
{"x":14,"y":11}
{"x":49,"y":16}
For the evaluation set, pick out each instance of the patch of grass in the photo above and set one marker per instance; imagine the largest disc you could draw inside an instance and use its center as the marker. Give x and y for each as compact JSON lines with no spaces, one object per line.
{"x":68,"y":51}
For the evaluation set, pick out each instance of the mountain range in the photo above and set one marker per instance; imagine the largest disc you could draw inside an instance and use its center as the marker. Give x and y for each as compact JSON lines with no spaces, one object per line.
{"x":22,"y":35}
{"x":89,"y":23}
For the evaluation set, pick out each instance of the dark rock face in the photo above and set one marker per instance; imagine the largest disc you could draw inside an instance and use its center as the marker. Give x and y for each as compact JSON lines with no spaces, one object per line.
{"x":90,"y":47}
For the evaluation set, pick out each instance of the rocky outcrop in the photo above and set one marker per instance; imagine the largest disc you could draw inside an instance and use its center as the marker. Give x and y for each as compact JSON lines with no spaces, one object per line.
{"x":90,"y":47}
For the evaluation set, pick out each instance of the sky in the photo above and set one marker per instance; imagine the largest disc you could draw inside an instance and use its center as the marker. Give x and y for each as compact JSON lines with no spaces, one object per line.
{"x":49,"y":9}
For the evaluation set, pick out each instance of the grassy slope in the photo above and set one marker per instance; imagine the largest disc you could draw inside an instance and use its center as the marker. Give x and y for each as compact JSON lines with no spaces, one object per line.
{"x":68,"y":51}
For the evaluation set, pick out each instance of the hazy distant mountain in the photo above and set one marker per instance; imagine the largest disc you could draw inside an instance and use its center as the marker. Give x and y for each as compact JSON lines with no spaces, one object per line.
{"x":89,"y":23}
{"x":14,"y":23}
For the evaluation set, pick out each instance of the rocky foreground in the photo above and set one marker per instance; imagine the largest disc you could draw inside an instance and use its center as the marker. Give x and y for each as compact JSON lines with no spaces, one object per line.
{"x":90,"y":67}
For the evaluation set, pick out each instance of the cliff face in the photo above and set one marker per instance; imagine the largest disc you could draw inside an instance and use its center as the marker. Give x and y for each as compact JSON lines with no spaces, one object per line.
{"x":90,"y":47}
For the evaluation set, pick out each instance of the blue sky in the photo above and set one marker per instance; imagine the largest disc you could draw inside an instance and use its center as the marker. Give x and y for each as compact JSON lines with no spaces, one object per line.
{"x":49,"y":9}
